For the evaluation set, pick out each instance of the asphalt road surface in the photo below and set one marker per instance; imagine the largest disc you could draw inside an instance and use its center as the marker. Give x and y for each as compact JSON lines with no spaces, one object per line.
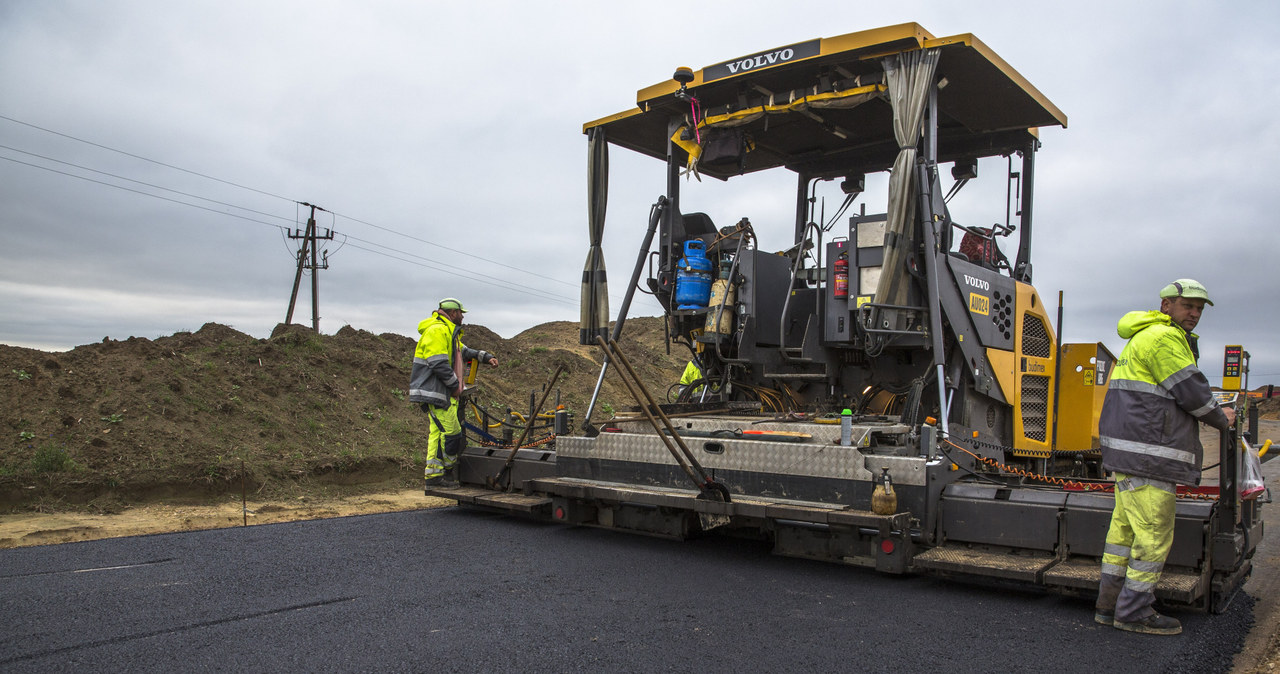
{"x":458,"y":590}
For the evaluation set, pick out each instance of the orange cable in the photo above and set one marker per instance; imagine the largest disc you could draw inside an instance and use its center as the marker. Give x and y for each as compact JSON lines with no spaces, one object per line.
{"x":1083,"y":486}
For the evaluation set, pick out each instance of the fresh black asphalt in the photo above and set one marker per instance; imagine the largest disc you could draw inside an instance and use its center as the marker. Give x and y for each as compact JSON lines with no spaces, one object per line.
{"x":459,"y":590}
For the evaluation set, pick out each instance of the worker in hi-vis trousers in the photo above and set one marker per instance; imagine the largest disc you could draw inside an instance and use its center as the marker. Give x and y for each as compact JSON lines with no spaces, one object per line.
{"x":691,"y":374}
{"x":1150,"y":436}
{"x":437,"y":382}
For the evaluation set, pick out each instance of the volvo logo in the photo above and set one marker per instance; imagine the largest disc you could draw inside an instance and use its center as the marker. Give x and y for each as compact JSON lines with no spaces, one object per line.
{"x":766,"y":59}
{"x":761,"y":60}
{"x":977,"y":282}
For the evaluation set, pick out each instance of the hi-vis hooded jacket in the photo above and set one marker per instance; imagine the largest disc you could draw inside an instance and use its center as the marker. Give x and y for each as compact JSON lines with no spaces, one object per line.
{"x":1148,"y":426}
{"x":437,"y":361}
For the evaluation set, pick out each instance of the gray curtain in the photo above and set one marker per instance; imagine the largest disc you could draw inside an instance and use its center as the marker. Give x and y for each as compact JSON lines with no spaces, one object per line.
{"x":595,"y":286}
{"x":909,"y":76}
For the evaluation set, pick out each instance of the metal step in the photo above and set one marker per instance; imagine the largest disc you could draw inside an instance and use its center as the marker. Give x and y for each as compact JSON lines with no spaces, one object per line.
{"x":459,"y":493}
{"x":481,"y":496}
{"x":1081,"y":573}
{"x":988,"y":563}
{"x":1180,"y":585}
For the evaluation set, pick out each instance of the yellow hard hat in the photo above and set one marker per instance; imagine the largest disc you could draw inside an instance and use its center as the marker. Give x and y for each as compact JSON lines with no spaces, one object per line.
{"x":450,"y":304}
{"x":1185,"y":287}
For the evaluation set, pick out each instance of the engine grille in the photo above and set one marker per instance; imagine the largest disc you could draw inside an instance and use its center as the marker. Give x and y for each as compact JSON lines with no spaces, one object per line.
{"x":1035,"y":406}
{"x":1035,"y":338}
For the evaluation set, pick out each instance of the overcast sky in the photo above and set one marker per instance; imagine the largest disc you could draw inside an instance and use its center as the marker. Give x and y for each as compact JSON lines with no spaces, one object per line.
{"x":152,"y":154}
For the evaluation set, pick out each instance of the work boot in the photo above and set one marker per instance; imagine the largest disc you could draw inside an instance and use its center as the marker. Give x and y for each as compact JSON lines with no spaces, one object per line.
{"x":450,"y":478}
{"x":1109,"y":587}
{"x":433,"y":481}
{"x":1152,"y":624}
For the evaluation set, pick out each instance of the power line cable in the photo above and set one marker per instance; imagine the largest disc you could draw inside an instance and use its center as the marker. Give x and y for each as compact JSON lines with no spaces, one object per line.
{"x":270,"y":194}
{"x":153,"y":161}
{"x":129,"y":189}
{"x":140,"y":182}
{"x":455,"y":250}
{"x":453,"y":270}
{"x":526,"y":290}
{"x":226,"y":182}
{"x":424,"y":263}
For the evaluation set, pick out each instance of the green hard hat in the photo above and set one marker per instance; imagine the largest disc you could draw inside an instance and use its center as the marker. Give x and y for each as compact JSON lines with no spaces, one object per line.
{"x":450,"y":304}
{"x":1185,"y":287}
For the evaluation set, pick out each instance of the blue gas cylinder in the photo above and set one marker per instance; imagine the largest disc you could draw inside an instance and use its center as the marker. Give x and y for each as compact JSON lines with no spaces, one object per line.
{"x":693,"y":278}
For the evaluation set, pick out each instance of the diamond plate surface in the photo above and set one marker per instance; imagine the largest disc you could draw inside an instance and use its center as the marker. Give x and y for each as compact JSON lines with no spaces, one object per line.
{"x":1084,"y":573}
{"x":776,"y":458}
{"x":983,"y":563}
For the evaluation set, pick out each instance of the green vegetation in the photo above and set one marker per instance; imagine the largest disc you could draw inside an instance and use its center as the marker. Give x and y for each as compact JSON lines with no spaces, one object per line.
{"x":21,"y":374}
{"x":50,"y":458}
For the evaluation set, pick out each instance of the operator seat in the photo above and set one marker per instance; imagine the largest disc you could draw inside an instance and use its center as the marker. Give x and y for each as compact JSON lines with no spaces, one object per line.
{"x":979,"y":250}
{"x":695,"y":226}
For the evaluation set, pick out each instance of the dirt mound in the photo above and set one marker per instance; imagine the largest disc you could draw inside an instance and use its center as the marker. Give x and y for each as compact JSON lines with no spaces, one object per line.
{"x":190,"y":415}
{"x":1269,"y":408}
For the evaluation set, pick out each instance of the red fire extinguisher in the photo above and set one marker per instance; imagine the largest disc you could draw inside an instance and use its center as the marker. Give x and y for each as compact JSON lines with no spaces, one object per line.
{"x":840,"y":286}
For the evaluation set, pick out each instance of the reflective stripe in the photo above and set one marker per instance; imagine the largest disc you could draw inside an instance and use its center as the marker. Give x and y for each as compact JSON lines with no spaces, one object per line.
{"x":428,"y":394}
{"x":1170,"y":453}
{"x":1146,"y":567}
{"x":1138,"y":387}
{"x":1179,"y":376}
{"x":1113,"y":569}
{"x":433,"y":469}
{"x":1139,"y":586}
{"x":1117,"y":550}
{"x":1201,"y":411}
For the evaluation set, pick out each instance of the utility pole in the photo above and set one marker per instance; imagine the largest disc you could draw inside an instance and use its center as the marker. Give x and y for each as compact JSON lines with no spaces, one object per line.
{"x":309,"y":248}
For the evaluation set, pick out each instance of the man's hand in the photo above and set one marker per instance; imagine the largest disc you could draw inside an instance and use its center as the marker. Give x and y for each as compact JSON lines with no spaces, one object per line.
{"x":1231,"y":415}
{"x":493,"y":362}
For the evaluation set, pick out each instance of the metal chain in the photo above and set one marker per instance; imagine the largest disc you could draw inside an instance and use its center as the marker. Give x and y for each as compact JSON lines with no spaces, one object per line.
{"x":1057,"y":481}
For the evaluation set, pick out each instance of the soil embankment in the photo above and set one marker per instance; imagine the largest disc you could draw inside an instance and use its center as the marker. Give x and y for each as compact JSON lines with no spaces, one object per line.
{"x":196,"y":417}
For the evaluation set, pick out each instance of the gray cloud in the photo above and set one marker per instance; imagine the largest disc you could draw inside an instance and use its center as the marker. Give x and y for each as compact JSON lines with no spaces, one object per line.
{"x":458,"y":126}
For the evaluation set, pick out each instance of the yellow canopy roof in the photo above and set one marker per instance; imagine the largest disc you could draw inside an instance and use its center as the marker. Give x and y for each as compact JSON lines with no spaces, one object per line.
{"x":808,"y":123}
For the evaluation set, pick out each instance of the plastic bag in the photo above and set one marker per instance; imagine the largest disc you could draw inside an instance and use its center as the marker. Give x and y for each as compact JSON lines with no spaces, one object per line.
{"x":1251,"y":485}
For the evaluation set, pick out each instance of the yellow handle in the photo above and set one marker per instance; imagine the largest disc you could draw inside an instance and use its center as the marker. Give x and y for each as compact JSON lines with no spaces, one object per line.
{"x":1263,"y":450}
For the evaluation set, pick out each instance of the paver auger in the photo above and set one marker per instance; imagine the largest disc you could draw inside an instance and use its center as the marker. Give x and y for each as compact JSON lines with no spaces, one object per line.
{"x":956,"y":387}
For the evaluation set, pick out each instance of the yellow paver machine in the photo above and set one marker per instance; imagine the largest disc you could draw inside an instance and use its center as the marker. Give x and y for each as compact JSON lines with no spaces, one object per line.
{"x":887,"y":388}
